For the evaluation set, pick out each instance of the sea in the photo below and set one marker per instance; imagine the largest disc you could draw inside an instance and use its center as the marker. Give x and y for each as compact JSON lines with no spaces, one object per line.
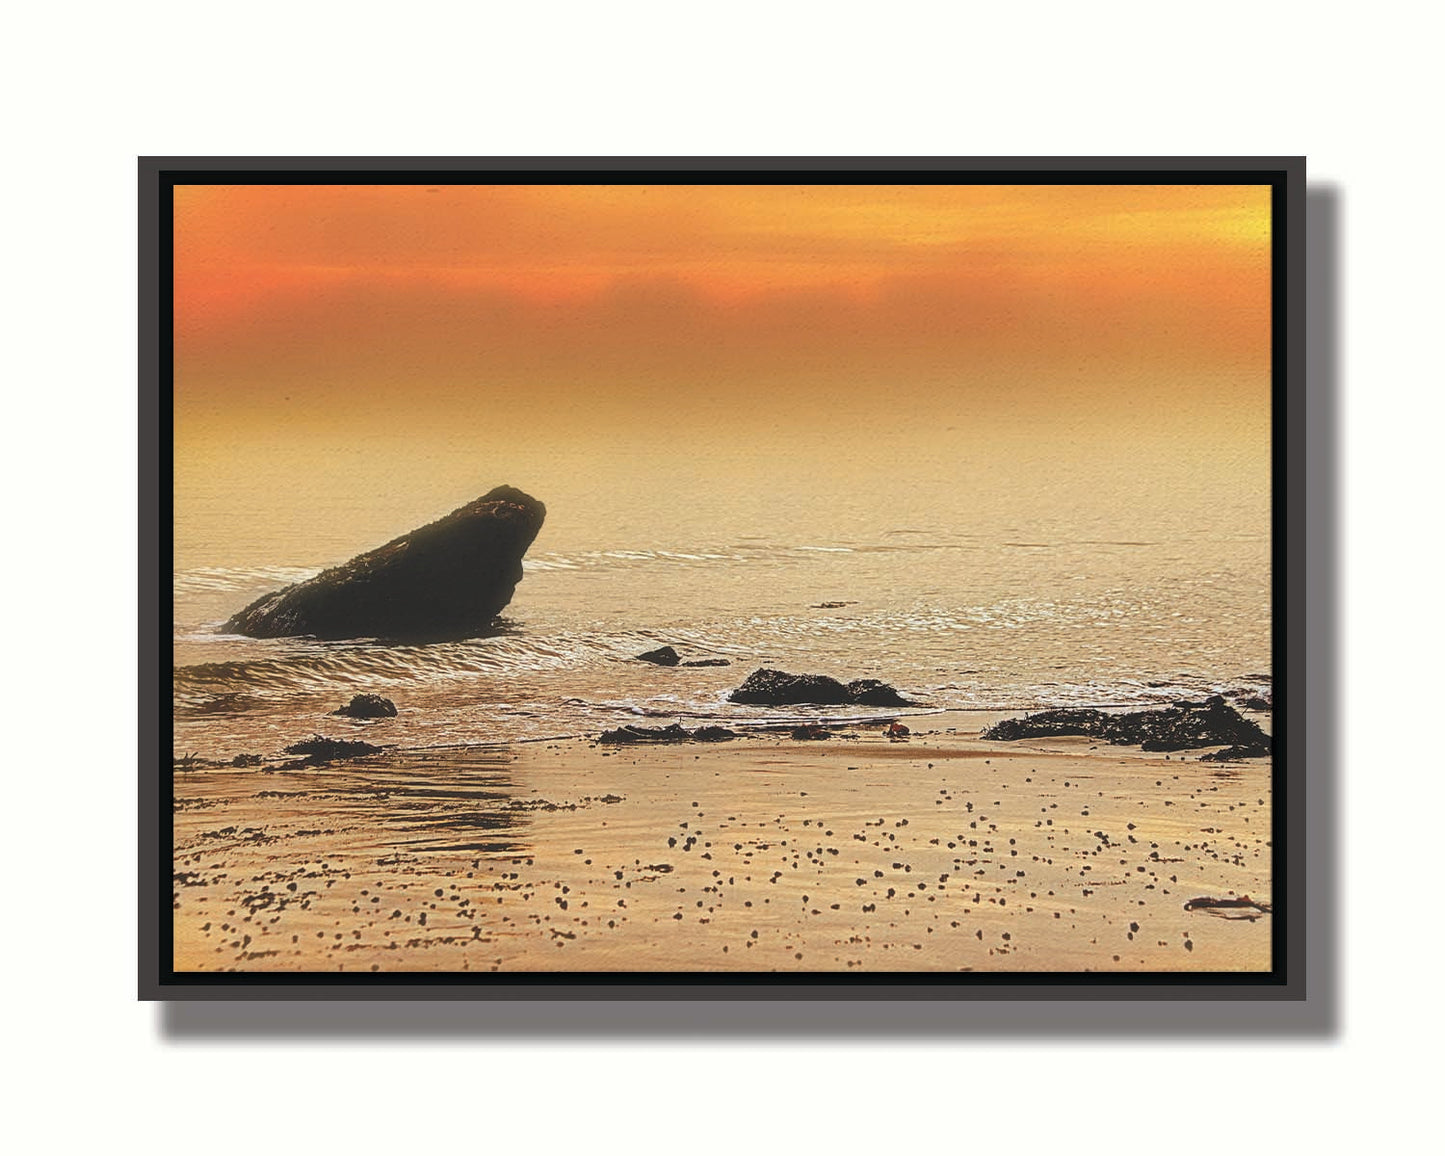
{"x":1085,"y":591}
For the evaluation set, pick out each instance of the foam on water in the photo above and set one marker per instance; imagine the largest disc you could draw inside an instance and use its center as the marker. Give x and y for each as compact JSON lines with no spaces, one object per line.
{"x":960,"y":621}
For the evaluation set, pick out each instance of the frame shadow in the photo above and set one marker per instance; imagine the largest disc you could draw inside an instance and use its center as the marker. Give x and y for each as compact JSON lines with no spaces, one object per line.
{"x":676,"y":1014}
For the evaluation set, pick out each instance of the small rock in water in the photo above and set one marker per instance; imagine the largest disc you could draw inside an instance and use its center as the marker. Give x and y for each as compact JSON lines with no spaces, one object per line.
{"x":662,"y":656}
{"x":368,"y":706}
{"x":766,"y":687}
{"x":667,"y":656}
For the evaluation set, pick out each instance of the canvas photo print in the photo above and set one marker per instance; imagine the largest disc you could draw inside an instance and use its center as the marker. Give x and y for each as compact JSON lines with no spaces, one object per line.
{"x":616,"y":575}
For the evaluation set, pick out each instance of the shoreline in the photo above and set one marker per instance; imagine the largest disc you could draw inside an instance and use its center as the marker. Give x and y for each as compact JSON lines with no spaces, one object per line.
{"x":941,"y":852}
{"x":745,"y":727}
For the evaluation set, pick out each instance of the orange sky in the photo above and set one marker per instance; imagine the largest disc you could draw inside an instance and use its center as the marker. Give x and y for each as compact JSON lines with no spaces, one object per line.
{"x":609,"y":305}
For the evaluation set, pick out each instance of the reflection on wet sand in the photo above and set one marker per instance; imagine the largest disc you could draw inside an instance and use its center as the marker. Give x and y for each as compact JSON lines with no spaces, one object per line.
{"x":939,"y":853}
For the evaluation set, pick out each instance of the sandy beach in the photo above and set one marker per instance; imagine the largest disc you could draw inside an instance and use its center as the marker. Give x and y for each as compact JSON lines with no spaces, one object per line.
{"x":953,"y":449}
{"x":939,"y":853}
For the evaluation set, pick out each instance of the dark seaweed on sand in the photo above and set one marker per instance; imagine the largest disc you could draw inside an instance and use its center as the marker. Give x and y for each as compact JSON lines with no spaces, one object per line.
{"x":1183,"y":726}
{"x":675,"y":733}
{"x":320,"y":749}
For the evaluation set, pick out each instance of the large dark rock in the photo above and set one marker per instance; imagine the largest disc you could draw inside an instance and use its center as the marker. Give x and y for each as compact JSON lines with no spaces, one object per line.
{"x":1181,"y":727}
{"x":766,"y":687}
{"x":447,"y":580}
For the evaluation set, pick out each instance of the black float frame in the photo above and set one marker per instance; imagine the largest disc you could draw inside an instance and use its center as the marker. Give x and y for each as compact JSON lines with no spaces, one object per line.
{"x":1291,"y":868}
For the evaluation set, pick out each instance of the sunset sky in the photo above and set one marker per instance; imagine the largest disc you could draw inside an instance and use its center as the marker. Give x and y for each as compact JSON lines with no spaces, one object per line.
{"x":507,"y":332}
{"x":609,"y":300}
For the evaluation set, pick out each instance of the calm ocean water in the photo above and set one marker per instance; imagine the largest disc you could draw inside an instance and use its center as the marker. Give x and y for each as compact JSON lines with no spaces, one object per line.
{"x":998,"y":610}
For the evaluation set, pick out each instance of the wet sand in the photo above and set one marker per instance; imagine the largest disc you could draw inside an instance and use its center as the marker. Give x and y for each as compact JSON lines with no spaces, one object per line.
{"x":941,"y":853}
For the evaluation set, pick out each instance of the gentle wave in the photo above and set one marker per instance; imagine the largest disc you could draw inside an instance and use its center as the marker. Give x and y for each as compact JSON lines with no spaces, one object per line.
{"x":207,"y":579}
{"x":218,"y":579}
{"x":893,"y":643}
{"x":322,"y":666}
{"x":1023,"y":620}
{"x":309,"y":665}
{"x":734,"y":555}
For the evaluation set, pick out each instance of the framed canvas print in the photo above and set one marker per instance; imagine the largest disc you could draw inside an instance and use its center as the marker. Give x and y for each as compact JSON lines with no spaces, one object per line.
{"x":752,"y":578}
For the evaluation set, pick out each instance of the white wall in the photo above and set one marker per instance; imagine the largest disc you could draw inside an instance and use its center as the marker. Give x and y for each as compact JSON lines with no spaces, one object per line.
{"x":88,"y":88}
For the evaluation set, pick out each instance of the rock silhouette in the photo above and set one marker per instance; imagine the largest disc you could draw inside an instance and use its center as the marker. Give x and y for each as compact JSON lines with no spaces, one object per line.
{"x":766,"y":687}
{"x":446,"y":580}
{"x":1183,"y":726}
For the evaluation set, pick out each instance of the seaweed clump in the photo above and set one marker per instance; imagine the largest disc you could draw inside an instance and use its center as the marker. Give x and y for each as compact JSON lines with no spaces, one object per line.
{"x":675,"y":733}
{"x":1180,"y":727}
{"x":318,"y":749}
